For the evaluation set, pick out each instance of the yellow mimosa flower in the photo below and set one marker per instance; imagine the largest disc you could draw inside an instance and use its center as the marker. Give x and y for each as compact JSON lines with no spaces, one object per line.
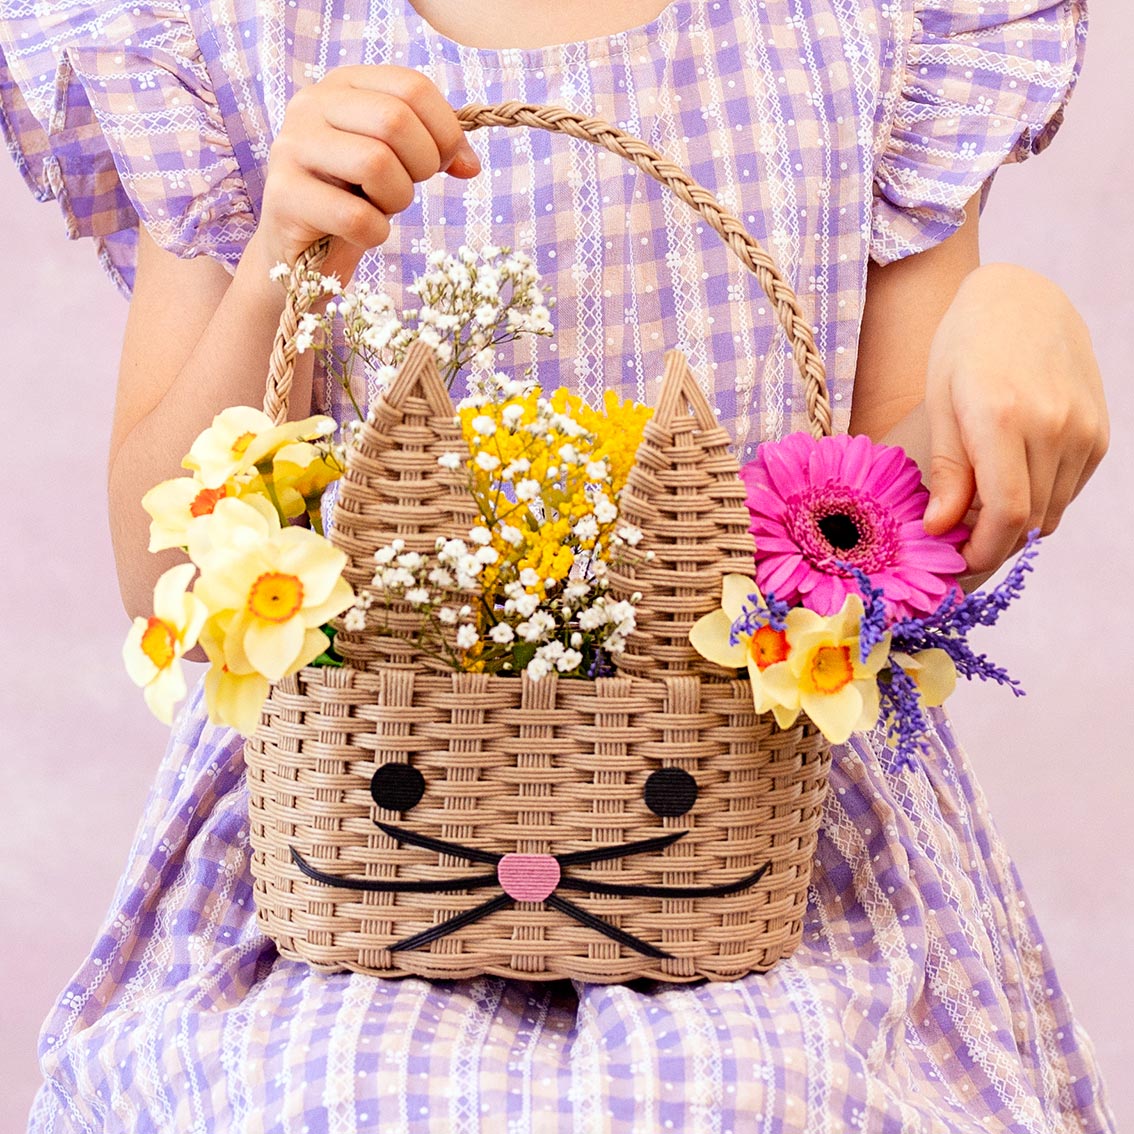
{"x":282,"y":584}
{"x":154,"y":646}
{"x":241,"y":437}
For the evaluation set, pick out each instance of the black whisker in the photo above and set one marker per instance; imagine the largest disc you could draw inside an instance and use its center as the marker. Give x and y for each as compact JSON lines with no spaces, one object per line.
{"x":605,"y":928}
{"x":394,"y":885}
{"x":452,"y":925}
{"x":439,"y":845}
{"x":605,"y":854}
{"x":630,"y":891}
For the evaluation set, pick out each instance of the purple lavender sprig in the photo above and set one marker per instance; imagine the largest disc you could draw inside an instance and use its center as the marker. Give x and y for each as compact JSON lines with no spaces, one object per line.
{"x":900,"y":705}
{"x":771,"y":612}
{"x":946,"y":628}
{"x":872,"y":628}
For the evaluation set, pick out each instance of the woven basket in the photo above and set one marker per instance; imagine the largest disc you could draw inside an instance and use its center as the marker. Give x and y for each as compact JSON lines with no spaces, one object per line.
{"x":646,"y":825}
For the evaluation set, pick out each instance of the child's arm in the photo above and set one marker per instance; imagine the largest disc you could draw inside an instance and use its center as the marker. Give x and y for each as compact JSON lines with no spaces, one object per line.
{"x":198,"y":340}
{"x":987,"y":377}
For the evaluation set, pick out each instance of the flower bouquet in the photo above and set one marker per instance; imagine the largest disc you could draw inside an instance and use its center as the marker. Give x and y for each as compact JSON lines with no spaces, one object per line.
{"x":856,"y":618}
{"x":494,"y":723}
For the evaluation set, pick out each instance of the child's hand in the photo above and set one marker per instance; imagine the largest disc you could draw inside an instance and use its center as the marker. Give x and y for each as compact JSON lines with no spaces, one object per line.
{"x":346,"y":158}
{"x":1016,"y":413}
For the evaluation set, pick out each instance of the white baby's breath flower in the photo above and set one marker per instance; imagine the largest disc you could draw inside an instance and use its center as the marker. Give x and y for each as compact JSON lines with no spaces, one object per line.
{"x":511,"y":535}
{"x":502,"y":634}
{"x":467,"y":637}
{"x":605,"y":511}
{"x":597,"y":470}
{"x":447,"y":615}
{"x":449,"y":460}
{"x":487,"y":462}
{"x":586,"y":528}
{"x":417,"y":596}
{"x":480,"y":535}
{"x":529,"y":577}
{"x":527,"y":490}
{"x":452,"y":550}
{"x":355,"y":619}
{"x":526,"y":605}
{"x":484,"y":425}
{"x":511,"y":415}
{"x":537,"y":627}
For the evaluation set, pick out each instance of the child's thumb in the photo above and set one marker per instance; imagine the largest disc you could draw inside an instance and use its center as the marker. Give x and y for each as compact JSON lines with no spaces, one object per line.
{"x":952,"y":484}
{"x":464,"y":162}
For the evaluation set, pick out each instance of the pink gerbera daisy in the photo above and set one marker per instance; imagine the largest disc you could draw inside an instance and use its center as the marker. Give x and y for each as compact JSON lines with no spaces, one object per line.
{"x":821,"y":506}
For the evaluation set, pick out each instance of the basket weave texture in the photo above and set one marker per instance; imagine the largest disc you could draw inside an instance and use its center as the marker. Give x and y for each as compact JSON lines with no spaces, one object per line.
{"x":538,"y":776}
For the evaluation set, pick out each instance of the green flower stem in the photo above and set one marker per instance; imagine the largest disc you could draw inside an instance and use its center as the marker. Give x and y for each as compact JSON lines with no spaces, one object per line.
{"x":265,"y":471}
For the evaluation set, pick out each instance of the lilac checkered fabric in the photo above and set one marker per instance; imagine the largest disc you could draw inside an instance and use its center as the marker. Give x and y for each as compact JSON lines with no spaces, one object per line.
{"x":922,"y":998}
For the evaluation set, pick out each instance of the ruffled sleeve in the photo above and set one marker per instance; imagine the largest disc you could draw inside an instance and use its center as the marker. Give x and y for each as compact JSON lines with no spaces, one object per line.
{"x":979,"y":85}
{"x":109,"y":110}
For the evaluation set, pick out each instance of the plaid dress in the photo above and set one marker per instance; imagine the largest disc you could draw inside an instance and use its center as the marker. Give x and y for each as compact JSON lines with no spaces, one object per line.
{"x":922,"y":997}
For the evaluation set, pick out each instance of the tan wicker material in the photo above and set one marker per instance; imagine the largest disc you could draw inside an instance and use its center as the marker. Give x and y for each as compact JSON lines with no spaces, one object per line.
{"x":556,"y":768}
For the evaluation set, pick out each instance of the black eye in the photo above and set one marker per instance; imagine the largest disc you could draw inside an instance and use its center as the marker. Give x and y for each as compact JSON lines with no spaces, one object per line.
{"x":670,"y":791}
{"x":397,"y":787}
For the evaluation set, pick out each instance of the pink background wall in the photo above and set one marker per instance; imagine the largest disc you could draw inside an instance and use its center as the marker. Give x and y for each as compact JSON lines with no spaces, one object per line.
{"x":79,"y":748}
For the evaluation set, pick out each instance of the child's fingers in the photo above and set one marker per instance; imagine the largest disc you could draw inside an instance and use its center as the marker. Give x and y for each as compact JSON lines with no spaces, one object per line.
{"x":348,"y":160}
{"x":381,"y":117}
{"x":341,"y":213}
{"x":1000,"y":462}
{"x":428,"y":104}
{"x":951,"y":480}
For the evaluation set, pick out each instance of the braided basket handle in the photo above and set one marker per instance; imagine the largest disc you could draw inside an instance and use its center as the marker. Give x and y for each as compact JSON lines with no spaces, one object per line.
{"x":557,"y":119}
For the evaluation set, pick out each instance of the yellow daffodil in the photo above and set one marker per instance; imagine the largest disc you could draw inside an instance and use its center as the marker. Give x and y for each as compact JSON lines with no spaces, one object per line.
{"x":823,"y":674}
{"x":154,"y":646}
{"x":300,"y":472}
{"x":174,"y":504}
{"x":233,"y":697}
{"x":933,"y":672}
{"x":235,"y":525}
{"x":241,"y":437}
{"x":711,"y":638}
{"x":812,"y":665}
{"x":282,"y":584}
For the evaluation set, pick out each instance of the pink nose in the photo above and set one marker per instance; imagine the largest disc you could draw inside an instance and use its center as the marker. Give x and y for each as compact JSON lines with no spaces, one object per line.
{"x":528,"y":877}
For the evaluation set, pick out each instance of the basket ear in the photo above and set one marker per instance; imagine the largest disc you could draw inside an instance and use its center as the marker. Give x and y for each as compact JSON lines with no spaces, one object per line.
{"x":393,"y":488}
{"x":686,"y":496}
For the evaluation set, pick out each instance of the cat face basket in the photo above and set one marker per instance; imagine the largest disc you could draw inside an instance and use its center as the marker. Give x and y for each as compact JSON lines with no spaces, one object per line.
{"x":407,"y":820}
